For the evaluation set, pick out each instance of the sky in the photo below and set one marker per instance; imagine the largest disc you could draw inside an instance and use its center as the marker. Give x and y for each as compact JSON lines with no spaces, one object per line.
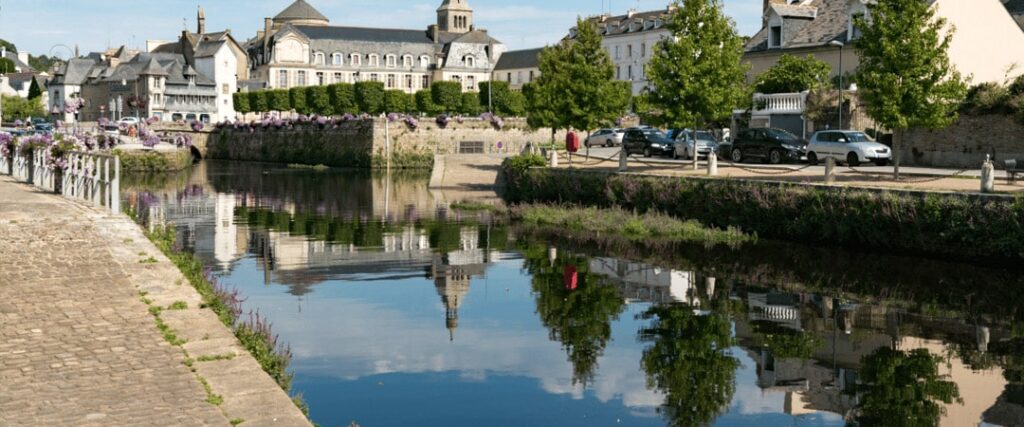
{"x":41,"y":26}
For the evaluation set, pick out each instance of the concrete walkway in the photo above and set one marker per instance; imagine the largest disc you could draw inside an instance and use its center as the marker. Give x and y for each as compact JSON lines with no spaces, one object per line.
{"x":78,"y":345}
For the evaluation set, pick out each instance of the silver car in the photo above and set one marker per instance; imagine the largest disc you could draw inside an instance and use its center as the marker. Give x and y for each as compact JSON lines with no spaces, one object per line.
{"x":605,"y":138}
{"x":690,"y":144}
{"x":847,"y":146}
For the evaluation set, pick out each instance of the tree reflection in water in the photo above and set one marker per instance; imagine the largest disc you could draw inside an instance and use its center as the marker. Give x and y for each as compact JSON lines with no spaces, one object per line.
{"x":576,"y":307}
{"x":903,"y":388}
{"x":689,"y":362}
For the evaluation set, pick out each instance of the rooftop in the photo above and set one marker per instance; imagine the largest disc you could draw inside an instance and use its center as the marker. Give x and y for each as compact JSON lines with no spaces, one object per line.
{"x":518,"y":59}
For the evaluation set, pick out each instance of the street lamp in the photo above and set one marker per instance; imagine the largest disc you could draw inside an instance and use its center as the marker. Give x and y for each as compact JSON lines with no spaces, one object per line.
{"x":840,"y":45}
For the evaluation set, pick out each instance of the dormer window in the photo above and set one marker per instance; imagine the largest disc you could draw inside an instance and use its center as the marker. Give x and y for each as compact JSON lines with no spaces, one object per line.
{"x":424,"y":61}
{"x":355,"y":60}
{"x":470,"y":61}
{"x":407,"y":61}
{"x":390,"y":61}
{"x":318,"y":58}
{"x":373,"y":59}
{"x":775,"y":36}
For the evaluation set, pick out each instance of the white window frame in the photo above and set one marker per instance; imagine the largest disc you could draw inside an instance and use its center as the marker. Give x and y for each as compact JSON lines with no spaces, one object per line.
{"x":390,"y":61}
{"x":282,"y":78}
{"x":373,"y":60}
{"x":319,"y":58}
{"x":337,"y":59}
{"x":407,"y":61}
{"x":424,"y":61}
{"x":355,"y":60}
{"x":470,"y":61}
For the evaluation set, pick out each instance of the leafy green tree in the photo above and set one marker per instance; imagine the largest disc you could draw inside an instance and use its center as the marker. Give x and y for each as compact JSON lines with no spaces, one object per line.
{"x":696,"y":75}
{"x":470,"y":105}
{"x":279,"y":100}
{"x":516,"y":105}
{"x":343,"y":98}
{"x":16,"y":107}
{"x":10,"y":46}
{"x":447,"y":96}
{"x":793,"y":74}
{"x":370,"y":97}
{"x":540,"y":109}
{"x":425,"y":102}
{"x":6,"y":66}
{"x":34,"y":91}
{"x":44,"y":63}
{"x":318,"y":100}
{"x":398,"y":101}
{"x":905,"y":75}
{"x":903,"y":389}
{"x":504,"y":101}
{"x":241,"y":100}
{"x":577,"y":82}
{"x":297,"y":99}
{"x":689,"y":362}
{"x":258,"y":101}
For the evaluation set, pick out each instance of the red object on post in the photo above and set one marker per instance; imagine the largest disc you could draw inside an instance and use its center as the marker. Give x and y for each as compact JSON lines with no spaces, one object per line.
{"x":572,"y":142}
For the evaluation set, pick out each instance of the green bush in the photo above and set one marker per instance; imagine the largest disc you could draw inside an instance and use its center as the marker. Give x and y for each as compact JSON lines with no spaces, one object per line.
{"x":447,"y":96}
{"x":425,"y":102}
{"x":1017,"y":87}
{"x":297,"y":99}
{"x":370,"y":97}
{"x":793,"y":74}
{"x":279,"y":100}
{"x":6,"y":66}
{"x":517,"y":165}
{"x":34,"y":91}
{"x":397,"y":101}
{"x":959,"y":226}
{"x":318,"y":101}
{"x":986,"y":98}
{"x":241,"y":101}
{"x":16,"y":107}
{"x":258,"y":101}
{"x":505,"y":102}
{"x":343,"y":98}
{"x":470,"y":105}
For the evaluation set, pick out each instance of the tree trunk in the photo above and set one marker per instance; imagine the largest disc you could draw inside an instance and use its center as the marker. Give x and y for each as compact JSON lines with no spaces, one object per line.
{"x":897,"y":143}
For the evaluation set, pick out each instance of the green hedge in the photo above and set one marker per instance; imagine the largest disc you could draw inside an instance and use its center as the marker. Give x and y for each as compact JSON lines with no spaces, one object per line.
{"x":297,"y":99}
{"x":318,"y":100}
{"x":370,"y":97}
{"x":447,"y":96}
{"x":937,"y":224}
{"x":241,"y":101}
{"x":343,"y":98}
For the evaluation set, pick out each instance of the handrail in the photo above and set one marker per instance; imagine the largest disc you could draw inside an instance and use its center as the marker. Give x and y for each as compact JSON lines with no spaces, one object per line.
{"x":90,"y":177}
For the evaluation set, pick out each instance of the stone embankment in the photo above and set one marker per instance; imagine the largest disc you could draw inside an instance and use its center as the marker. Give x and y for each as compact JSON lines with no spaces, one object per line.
{"x":98,"y":328}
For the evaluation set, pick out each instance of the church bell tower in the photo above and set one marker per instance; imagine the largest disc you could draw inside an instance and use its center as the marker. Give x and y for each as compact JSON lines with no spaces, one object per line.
{"x":455,"y":16}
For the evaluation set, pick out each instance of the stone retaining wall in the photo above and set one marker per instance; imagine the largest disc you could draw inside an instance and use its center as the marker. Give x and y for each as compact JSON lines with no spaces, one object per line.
{"x":966,"y":142}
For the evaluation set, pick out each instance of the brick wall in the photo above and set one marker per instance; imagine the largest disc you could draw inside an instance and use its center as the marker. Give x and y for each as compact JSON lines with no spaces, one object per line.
{"x":966,"y":142}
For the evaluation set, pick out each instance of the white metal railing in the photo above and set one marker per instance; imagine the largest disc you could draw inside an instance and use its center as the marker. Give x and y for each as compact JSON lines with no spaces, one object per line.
{"x":90,"y":177}
{"x":780,"y":103}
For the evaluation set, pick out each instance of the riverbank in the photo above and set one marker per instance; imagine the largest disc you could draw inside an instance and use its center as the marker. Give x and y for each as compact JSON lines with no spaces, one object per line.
{"x":937,"y":224}
{"x":93,"y":312}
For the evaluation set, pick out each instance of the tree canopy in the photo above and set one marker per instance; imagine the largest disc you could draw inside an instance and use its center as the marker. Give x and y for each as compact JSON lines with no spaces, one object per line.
{"x":903,"y":389}
{"x":793,"y":74}
{"x":34,"y":91}
{"x":16,"y":107}
{"x":905,"y":76}
{"x":576,"y":87}
{"x":6,"y":66}
{"x":696,"y":75}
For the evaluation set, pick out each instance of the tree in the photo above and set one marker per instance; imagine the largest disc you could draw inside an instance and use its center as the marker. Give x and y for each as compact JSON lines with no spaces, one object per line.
{"x":297,"y":99}
{"x":577,"y":83}
{"x":258,"y":101}
{"x":470,"y":104}
{"x":370,"y":97}
{"x":279,"y":100}
{"x":343,"y":99}
{"x":516,"y":105}
{"x":241,"y":100}
{"x":503,"y":100}
{"x":20,"y":108}
{"x":903,"y":388}
{"x":697,"y":77}
{"x":425,"y":102}
{"x":905,"y":75}
{"x":792,"y":74}
{"x":6,"y":66}
{"x":540,"y":109}
{"x":447,"y":96}
{"x":34,"y":91}
{"x":318,"y":100}
{"x":398,"y":101}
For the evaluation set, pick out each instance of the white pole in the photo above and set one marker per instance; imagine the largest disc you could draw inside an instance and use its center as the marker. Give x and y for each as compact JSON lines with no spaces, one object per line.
{"x":387,"y":142}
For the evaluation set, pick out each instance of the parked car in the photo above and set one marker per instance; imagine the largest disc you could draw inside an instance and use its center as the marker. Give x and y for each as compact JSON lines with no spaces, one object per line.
{"x":691,"y":143}
{"x":111,"y":130}
{"x":605,"y":138}
{"x":129,"y":121}
{"x":848,"y":146}
{"x":41,"y":125}
{"x":648,"y":141}
{"x":766,"y":144}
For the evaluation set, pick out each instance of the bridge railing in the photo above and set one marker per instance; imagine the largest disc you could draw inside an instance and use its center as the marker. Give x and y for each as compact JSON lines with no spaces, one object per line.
{"x":89,"y":177}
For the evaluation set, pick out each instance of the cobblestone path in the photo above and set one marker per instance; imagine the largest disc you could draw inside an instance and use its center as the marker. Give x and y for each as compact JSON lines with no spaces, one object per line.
{"x":77,"y":346}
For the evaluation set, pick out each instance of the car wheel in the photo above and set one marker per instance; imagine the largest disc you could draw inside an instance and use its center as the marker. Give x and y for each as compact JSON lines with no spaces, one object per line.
{"x":608,"y":143}
{"x":881,"y":162}
{"x":775,"y":157}
{"x":852,"y":160}
{"x":647,"y":152}
{"x":812,"y":158}
{"x":737,"y":155}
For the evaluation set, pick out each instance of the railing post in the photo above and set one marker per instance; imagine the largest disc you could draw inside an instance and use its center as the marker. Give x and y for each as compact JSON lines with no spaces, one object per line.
{"x":712,"y":164}
{"x":830,"y":170}
{"x":115,"y":184}
{"x":623,"y":160}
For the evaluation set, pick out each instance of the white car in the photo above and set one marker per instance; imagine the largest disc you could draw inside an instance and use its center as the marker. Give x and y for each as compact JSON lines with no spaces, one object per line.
{"x":605,"y":138}
{"x":130,"y":121}
{"x":695,"y":143}
{"x":847,"y":146}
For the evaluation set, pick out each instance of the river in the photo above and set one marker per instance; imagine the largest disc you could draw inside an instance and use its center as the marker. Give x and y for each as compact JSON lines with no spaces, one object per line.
{"x":400,"y":311}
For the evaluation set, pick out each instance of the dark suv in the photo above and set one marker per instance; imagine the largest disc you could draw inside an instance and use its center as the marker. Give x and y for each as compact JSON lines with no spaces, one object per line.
{"x":766,"y":144}
{"x":648,"y":141}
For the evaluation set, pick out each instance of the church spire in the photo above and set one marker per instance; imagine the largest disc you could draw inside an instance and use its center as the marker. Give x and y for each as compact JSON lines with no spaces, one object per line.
{"x":201,"y":19}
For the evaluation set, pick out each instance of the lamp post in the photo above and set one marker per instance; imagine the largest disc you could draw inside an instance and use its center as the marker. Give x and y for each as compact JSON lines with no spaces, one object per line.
{"x":840,"y":45}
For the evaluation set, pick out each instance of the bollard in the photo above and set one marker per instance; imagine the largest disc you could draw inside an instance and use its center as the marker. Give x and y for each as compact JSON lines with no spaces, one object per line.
{"x":623,"y":160}
{"x":712,"y":164}
{"x":988,"y":176}
{"x":554,"y":158}
{"x":830,"y":170}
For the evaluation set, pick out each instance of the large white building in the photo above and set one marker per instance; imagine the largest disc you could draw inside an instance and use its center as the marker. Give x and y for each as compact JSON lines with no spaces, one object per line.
{"x":630,"y":41}
{"x":299,"y":47}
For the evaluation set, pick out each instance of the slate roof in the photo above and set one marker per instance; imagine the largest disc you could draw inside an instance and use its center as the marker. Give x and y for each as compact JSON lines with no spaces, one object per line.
{"x":621,"y":24}
{"x":458,"y":6}
{"x":1016,"y":9}
{"x":300,"y":10}
{"x":17,"y":62}
{"x":795,"y":11}
{"x":209,"y":48}
{"x":380,"y":35}
{"x":74,"y":72}
{"x":518,"y":59}
{"x":476,"y":37}
{"x":153,"y":68}
{"x":830,"y":23}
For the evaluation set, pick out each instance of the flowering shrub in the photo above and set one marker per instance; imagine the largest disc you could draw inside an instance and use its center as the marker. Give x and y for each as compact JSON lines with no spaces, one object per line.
{"x":196,"y":125}
{"x":182,"y":140}
{"x":6,"y":144}
{"x":393,"y":117}
{"x":18,"y":123}
{"x":148,"y":138}
{"x":442,"y":121}
{"x":494,"y":120}
{"x":73,"y":105}
{"x":411,"y":122}
{"x":152,"y":121}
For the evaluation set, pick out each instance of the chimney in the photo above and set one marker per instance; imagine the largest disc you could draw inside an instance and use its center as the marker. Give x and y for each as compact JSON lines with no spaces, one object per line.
{"x":630,"y":13}
{"x":201,"y":19}
{"x":268,"y":24}
{"x":23,"y":57}
{"x":434,"y":35}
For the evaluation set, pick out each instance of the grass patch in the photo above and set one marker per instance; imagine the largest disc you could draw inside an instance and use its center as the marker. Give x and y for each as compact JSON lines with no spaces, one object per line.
{"x":237,"y":421}
{"x":629,"y":225}
{"x":211,"y":397}
{"x":226,"y":356}
{"x":149,"y":260}
{"x":168,"y":333}
{"x":318,"y":168}
{"x":178,"y":305}
{"x":473,"y":207}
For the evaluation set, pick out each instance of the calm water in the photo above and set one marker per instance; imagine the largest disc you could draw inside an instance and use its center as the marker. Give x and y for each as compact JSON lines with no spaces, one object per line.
{"x":401,"y":312}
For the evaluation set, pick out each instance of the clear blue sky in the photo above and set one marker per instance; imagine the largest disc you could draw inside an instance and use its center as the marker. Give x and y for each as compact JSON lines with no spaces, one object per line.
{"x":38,"y":25}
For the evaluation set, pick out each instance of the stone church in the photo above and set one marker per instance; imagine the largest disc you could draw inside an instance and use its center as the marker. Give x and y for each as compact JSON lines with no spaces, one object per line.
{"x":300,"y":47}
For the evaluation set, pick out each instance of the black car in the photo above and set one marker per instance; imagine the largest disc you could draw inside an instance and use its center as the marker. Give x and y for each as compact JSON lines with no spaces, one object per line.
{"x":649,"y":142}
{"x":765,"y":144}
{"x":41,"y":125}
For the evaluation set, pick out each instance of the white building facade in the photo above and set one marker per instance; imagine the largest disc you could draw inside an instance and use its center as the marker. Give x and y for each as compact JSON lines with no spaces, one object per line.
{"x":630,"y":40}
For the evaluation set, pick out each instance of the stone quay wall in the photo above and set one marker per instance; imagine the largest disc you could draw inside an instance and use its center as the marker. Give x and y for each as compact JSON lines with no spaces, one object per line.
{"x":965,"y":143}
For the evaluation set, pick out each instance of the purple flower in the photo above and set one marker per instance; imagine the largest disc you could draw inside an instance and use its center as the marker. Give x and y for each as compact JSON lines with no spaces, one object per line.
{"x":347,"y":117}
{"x":442,"y":121}
{"x":182,"y":140}
{"x":152,"y":120}
{"x":411,"y":122}
{"x":393,"y":117}
{"x":196,"y":125}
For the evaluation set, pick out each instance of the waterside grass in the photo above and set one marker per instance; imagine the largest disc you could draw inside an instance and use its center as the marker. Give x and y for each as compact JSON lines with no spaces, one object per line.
{"x":617,"y":222}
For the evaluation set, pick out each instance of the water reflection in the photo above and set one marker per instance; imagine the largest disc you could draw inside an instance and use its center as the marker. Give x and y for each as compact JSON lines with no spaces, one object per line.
{"x":390,"y":299}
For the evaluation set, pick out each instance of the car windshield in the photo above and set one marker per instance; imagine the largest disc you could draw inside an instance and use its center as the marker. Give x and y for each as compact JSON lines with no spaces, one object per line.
{"x":705,"y":136}
{"x":38,"y":121}
{"x":782,"y":135}
{"x":655,"y":134}
{"x":858,"y":137}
